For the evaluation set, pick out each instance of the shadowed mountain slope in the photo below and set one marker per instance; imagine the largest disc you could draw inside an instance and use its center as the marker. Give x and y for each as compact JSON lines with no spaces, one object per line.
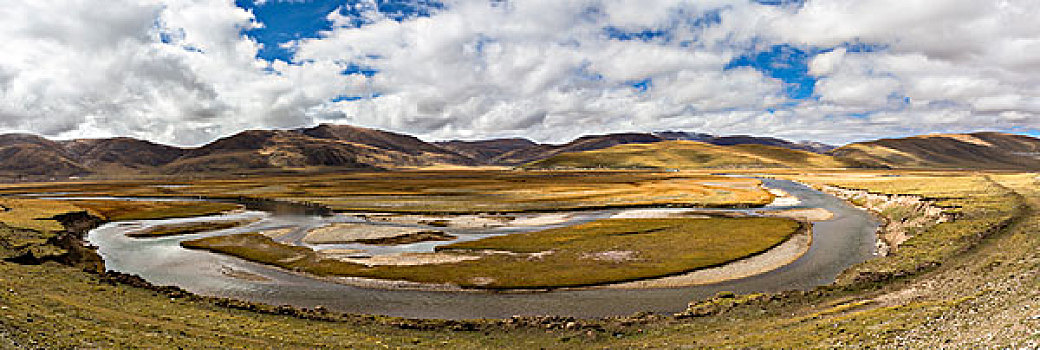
{"x":31,"y":155}
{"x":486,"y":151}
{"x":810,"y":146}
{"x":325,"y":146}
{"x":384,"y":140}
{"x":121,"y":154}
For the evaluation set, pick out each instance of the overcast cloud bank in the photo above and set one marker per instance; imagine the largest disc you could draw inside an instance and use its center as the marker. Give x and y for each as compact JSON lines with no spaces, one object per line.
{"x":185,"y":72}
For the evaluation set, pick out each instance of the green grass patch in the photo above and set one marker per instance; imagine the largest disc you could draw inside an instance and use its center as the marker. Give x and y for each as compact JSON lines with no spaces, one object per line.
{"x":188,"y":228}
{"x":113,"y":210}
{"x":599,"y":252}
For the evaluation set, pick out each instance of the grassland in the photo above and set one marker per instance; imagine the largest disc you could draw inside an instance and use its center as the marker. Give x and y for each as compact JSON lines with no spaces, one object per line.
{"x":599,"y":252}
{"x":115,"y":210}
{"x":28,"y":228}
{"x":452,"y":191}
{"x":984,"y":295}
{"x":187,"y":228}
{"x":688,"y":155}
{"x":34,"y":214}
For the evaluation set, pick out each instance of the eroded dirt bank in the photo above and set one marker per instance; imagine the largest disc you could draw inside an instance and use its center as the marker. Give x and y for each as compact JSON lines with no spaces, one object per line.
{"x":904,"y":215}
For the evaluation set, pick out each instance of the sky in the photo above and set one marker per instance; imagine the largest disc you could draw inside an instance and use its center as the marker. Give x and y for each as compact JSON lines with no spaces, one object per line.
{"x":185,"y":72}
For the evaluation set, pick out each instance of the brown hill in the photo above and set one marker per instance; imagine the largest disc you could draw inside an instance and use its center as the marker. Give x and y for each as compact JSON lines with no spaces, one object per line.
{"x":984,"y":150}
{"x":325,"y":146}
{"x":347,"y":147}
{"x":121,"y":154}
{"x":31,"y":155}
{"x":584,"y":143}
{"x":384,"y":140}
{"x":487,"y":150}
{"x":733,"y":140}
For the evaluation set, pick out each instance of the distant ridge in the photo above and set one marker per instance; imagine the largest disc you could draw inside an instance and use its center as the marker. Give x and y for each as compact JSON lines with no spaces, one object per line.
{"x":984,"y":150}
{"x":815,"y":147}
{"x":682,"y":154}
{"x":330,"y":147}
{"x":323,"y":146}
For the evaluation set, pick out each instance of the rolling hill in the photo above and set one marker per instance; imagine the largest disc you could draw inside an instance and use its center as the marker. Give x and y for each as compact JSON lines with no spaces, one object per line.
{"x":121,"y":154}
{"x":584,"y":143}
{"x":329,"y":147}
{"x":984,"y":150}
{"x":324,"y":146}
{"x":31,"y":155}
{"x":486,"y":151}
{"x":254,"y":151}
{"x":815,"y":147}
{"x":690,"y":155}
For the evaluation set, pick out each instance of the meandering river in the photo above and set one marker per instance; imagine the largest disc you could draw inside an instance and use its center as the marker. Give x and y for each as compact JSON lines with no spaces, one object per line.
{"x":847,"y":239}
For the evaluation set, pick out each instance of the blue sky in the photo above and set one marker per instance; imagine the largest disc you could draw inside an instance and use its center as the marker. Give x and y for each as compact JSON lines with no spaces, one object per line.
{"x":186,"y":72}
{"x":286,"y":21}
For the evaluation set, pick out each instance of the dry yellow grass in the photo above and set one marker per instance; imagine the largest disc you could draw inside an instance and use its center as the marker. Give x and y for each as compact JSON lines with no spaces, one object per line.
{"x":34,"y":214}
{"x":456,"y":191}
{"x":114,"y":210}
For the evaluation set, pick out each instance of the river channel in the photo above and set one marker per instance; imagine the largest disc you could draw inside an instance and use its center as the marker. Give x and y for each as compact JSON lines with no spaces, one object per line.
{"x":847,"y":239}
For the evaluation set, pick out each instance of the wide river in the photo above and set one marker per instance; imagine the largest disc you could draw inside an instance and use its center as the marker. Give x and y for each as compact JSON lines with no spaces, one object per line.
{"x":838,"y":243}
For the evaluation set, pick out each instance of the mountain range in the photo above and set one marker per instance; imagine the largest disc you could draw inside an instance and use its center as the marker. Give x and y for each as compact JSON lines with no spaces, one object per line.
{"x":329,"y":147}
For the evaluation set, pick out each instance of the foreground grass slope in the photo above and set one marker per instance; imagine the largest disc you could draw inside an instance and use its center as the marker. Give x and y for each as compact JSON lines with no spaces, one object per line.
{"x":689,"y":155}
{"x":599,"y":252}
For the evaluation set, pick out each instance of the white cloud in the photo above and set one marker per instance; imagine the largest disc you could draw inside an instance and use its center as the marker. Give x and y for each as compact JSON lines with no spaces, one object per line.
{"x":826,"y":63}
{"x":181,"y":71}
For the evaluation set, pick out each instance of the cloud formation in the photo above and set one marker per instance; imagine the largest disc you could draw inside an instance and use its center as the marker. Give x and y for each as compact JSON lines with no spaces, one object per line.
{"x":187,"y":71}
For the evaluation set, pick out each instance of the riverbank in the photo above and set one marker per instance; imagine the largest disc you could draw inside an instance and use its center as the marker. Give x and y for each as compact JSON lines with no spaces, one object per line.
{"x":904,"y":215}
{"x":772,"y":259}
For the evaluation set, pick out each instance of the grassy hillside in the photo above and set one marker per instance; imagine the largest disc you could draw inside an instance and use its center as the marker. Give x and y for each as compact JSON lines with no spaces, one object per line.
{"x":690,"y":155}
{"x":986,"y":150}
